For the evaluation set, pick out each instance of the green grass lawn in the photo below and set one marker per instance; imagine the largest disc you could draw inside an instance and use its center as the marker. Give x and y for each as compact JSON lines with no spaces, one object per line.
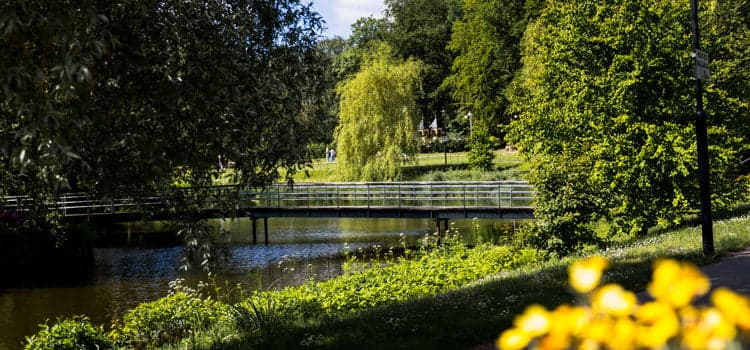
{"x":430,"y":167}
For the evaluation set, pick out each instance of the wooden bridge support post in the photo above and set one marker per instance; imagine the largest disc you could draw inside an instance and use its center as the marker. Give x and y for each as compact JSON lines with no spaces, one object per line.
{"x":265,"y":229}
{"x":437,"y":227}
{"x":255,"y":237}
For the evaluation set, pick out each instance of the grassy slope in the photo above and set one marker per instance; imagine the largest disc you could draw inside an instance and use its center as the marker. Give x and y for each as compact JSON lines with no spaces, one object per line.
{"x":476,"y":313}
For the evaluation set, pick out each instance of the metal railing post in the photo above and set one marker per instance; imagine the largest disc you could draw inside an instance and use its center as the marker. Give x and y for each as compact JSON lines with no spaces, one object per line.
{"x":464,"y":194}
{"x":431,"y":196}
{"x":498,"y":195}
{"x":510,"y":196}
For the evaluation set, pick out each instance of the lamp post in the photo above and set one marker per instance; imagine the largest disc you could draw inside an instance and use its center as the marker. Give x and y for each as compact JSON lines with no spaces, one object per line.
{"x":468,"y":116}
{"x":444,"y":138}
{"x":704,"y":167}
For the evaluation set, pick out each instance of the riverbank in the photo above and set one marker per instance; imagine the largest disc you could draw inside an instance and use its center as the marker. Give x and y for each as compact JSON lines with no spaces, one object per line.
{"x":125,"y":273}
{"x":454,"y":318}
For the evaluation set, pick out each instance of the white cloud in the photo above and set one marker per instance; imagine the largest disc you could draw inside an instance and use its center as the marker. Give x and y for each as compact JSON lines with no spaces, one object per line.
{"x":340,"y":14}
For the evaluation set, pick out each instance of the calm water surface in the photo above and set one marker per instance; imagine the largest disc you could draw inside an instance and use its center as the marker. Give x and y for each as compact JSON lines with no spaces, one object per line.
{"x":122,"y":276}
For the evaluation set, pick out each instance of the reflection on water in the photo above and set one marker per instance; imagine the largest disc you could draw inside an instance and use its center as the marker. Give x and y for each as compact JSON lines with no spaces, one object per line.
{"x":124,"y":276}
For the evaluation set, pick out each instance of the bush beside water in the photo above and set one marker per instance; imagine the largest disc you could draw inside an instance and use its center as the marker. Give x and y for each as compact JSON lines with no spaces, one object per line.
{"x":70,"y":333}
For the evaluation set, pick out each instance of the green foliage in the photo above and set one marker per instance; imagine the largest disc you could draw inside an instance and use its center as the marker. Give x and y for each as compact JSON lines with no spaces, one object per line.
{"x":168,"y":320}
{"x":260,"y":318}
{"x":431,"y":271}
{"x":199,"y":238}
{"x":606,"y":118}
{"x":75,"y":333}
{"x":565,"y":205}
{"x":367,"y":34}
{"x":421,"y":29}
{"x":486,"y":44}
{"x":119,"y":94}
{"x":378,"y":118}
{"x":468,"y":317}
{"x":480,"y":152}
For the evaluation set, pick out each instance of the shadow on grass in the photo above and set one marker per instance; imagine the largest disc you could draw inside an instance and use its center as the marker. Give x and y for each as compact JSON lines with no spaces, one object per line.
{"x":460,"y":319}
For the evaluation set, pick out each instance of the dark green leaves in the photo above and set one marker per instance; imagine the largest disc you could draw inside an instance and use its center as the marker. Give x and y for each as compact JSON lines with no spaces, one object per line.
{"x":107,"y":95}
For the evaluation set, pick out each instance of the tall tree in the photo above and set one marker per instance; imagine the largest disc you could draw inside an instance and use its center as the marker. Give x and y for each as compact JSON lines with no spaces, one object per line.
{"x":486,"y":41}
{"x":109,"y":95}
{"x":322,"y":107}
{"x":367,"y":34}
{"x":606,"y":107}
{"x":378,"y":117}
{"x":421,"y":29}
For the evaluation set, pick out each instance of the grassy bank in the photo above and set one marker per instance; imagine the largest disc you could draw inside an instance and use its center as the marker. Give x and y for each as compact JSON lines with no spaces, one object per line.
{"x":476,"y":313}
{"x":430,"y":167}
{"x":446,"y":298}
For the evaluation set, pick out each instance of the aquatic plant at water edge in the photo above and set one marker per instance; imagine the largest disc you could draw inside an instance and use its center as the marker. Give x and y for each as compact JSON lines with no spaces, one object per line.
{"x":168,"y":320}
{"x":70,"y":333}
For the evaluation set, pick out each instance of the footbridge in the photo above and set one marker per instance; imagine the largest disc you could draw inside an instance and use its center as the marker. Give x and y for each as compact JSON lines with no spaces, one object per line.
{"x":441,"y":201}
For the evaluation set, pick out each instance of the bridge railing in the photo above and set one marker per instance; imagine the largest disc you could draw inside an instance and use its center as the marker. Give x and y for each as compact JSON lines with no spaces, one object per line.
{"x":488,"y":194}
{"x":395,"y":194}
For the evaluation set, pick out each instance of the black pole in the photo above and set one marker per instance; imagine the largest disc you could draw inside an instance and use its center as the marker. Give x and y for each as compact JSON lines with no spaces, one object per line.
{"x":445,"y":154}
{"x":255,"y":237}
{"x":265,"y":229}
{"x":704,"y":167}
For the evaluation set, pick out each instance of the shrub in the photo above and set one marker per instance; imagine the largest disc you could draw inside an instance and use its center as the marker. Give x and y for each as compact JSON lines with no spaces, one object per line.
{"x":612,"y":318}
{"x":481,"y":155}
{"x":70,"y":333}
{"x":168,"y":320}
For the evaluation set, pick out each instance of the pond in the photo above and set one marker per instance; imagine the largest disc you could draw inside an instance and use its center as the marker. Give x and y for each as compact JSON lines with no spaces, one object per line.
{"x":125,"y":272}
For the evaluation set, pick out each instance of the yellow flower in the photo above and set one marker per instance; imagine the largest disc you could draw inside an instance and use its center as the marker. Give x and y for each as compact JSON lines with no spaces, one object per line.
{"x":721,"y":330}
{"x":712,"y":331}
{"x":624,"y":334}
{"x":689,"y":315}
{"x":555,"y":341}
{"x":677,"y":283}
{"x":535,"y":321}
{"x":585,"y":274}
{"x":513,"y":339}
{"x":589,"y":344}
{"x":657,"y":323}
{"x":735,"y":307}
{"x":568,"y":319}
{"x":612,"y":299}
{"x":566,"y":322}
{"x":599,"y":330}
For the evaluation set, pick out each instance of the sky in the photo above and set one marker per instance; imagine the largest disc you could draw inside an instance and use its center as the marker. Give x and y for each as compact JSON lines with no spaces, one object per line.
{"x":340,"y":14}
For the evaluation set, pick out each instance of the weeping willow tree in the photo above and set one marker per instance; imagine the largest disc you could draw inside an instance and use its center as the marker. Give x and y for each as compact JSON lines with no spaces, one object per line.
{"x":378,"y":118}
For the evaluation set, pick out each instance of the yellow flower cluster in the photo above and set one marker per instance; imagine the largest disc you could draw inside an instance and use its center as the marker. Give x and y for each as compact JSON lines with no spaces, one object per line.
{"x":613,"y":319}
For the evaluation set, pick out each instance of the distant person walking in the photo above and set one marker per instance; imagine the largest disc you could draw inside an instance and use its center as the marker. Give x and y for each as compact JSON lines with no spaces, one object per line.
{"x":333,"y":155}
{"x":328,"y":154}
